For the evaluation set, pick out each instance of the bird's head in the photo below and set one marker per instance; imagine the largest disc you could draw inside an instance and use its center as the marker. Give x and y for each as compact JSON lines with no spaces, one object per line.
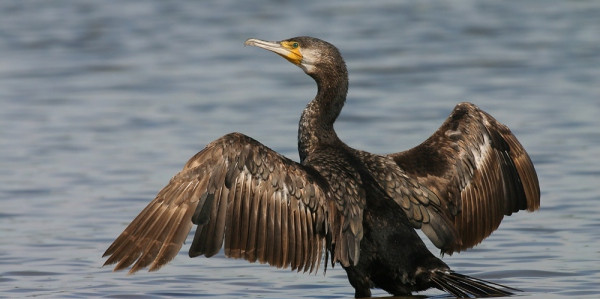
{"x":309,"y":53}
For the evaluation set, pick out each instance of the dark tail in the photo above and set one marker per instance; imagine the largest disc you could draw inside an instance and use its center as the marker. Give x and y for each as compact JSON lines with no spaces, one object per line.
{"x":464,"y":286}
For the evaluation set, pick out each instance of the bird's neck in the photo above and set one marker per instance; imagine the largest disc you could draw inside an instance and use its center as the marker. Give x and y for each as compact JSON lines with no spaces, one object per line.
{"x":316,"y":122}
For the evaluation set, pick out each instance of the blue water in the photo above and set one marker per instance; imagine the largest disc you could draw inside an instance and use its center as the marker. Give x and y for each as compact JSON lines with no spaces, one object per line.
{"x":103,"y":101}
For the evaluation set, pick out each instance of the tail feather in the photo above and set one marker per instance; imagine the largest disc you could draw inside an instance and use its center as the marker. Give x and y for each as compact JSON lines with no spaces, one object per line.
{"x":464,"y":286}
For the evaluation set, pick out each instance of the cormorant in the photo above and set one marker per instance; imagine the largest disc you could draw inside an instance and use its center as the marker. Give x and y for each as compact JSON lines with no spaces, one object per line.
{"x":359,"y":209}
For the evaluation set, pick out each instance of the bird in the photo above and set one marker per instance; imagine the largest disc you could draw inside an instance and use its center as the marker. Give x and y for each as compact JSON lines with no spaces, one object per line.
{"x":338,"y":204}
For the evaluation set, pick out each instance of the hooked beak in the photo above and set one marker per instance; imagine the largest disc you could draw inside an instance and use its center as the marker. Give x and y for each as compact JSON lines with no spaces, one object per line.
{"x":281,"y":48}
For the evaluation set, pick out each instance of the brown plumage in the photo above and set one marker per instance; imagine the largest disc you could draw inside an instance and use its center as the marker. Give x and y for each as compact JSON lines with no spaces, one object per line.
{"x":359,"y":207}
{"x":478,"y":170}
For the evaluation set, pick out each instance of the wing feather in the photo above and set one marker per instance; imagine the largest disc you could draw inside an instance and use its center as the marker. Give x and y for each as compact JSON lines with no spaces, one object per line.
{"x":229,"y":220}
{"x":270,"y":227}
{"x":299,"y":240}
{"x":251,"y":246}
{"x":277,"y":230}
{"x":218,"y":225}
{"x":478,"y":172}
{"x":292,"y":237}
{"x":261,"y":245}
{"x":262,"y":205}
{"x":285,"y":239}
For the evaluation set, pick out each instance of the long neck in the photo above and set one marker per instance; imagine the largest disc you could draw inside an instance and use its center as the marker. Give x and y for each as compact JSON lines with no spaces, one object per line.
{"x":316,"y":122}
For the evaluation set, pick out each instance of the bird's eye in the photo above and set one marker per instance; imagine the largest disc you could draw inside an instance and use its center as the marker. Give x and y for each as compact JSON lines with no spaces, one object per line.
{"x":295,"y":45}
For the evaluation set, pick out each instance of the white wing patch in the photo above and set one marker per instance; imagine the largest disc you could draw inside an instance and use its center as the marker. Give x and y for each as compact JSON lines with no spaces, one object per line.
{"x":481,"y":152}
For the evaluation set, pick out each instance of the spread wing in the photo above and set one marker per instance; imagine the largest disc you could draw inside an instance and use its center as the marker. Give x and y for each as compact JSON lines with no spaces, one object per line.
{"x":479,"y":172}
{"x":263,"y":206}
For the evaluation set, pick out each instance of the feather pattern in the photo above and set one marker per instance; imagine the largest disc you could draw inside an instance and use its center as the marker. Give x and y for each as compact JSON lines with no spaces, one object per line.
{"x":263,"y":206}
{"x":478,"y":173}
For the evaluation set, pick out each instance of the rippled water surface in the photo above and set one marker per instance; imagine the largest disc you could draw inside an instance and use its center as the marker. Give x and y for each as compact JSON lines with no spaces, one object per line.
{"x":103,"y":101}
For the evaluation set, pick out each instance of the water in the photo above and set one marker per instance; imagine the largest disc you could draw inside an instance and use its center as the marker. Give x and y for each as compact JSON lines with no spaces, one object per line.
{"x":103,"y":101}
